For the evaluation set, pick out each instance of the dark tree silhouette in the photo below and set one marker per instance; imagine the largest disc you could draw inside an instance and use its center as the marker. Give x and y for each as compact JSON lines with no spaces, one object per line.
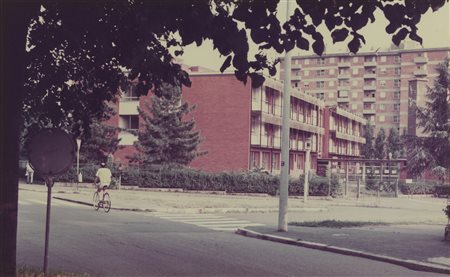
{"x":89,"y":42}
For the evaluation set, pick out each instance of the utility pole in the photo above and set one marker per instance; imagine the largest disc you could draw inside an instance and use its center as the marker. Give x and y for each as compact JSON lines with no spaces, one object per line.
{"x":284,"y":177}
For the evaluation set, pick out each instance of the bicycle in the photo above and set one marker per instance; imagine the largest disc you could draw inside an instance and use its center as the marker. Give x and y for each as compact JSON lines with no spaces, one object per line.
{"x":105,"y":203}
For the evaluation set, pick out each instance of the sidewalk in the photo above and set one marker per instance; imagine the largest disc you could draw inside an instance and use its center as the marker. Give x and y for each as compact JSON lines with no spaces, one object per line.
{"x":418,"y":245}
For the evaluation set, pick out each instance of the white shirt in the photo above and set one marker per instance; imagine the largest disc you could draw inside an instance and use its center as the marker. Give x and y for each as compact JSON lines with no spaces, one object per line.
{"x":104,"y":174}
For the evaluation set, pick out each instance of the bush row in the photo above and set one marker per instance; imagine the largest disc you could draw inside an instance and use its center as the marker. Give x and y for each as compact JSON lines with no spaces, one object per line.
{"x":418,"y":187}
{"x":231,"y":182}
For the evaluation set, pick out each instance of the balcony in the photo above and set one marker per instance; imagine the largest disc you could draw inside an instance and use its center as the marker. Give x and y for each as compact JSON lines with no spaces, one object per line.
{"x":342,"y":100}
{"x":369,"y":99}
{"x":344,"y":64}
{"x":370,"y":87}
{"x":369,"y":111}
{"x":270,"y":118}
{"x":348,"y":137}
{"x":370,"y":75}
{"x":305,"y":127}
{"x":420,"y":73}
{"x":345,"y":75}
{"x":295,"y":77}
{"x":370,"y":63}
{"x":420,"y":60}
{"x":343,"y":86}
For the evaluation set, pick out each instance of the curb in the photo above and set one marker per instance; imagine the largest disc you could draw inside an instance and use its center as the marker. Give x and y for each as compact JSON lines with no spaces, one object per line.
{"x":198,"y":210}
{"x":411,"y":264}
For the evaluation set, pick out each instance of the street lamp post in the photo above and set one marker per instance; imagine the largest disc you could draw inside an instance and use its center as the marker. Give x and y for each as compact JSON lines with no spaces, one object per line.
{"x":78,"y":160}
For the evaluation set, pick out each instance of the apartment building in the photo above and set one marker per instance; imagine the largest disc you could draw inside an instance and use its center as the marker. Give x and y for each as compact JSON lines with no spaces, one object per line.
{"x":379,"y":85}
{"x":240,"y":126}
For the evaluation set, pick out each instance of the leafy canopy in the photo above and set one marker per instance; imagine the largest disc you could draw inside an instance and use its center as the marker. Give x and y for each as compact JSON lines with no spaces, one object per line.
{"x":78,"y":50}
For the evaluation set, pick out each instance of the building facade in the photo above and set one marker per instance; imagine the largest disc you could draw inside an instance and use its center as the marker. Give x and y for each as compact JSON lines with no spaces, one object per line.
{"x":240,"y":126}
{"x":379,"y":85}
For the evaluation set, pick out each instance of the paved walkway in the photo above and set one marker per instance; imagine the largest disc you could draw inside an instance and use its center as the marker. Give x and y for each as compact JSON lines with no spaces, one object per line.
{"x":418,"y":244}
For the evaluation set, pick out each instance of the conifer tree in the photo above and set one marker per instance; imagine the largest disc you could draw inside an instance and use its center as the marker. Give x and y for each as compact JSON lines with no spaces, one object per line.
{"x":100,"y":142}
{"x":394,"y":144}
{"x":165,"y":138}
{"x":432,"y":151}
{"x":367,"y":150}
{"x":380,"y":147}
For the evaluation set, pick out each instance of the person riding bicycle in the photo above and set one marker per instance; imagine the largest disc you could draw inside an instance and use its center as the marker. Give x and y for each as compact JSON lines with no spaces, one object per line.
{"x":102,"y":179}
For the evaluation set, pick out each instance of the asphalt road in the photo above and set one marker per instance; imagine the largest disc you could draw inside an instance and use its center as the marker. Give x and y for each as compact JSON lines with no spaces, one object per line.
{"x":141,"y":244}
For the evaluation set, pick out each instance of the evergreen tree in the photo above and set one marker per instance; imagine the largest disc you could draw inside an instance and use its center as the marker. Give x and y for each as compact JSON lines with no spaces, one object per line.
{"x":432,"y":152}
{"x":367,"y":150}
{"x":380,"y":147}
{"x":166,"y":138}
{"x":394,"y":144}
{"x":101,"y":142}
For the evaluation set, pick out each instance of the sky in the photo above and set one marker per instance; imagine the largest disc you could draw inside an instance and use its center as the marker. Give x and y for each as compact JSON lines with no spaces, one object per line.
{"x":434,"y":28}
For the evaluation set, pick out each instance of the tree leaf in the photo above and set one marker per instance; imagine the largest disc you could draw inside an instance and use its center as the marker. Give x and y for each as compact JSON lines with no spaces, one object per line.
{"x":226,"y":64}
{"x":339,"y":35}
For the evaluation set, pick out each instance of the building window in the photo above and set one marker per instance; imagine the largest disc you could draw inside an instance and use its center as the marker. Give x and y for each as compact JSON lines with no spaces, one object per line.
{"x":383,"y":70}
{"x":276,"y":161}
{"x":396,"y":107}
{"x":265,"y":162}
{"x":306,"y":84}
{"x":320,"y":84}
{"x":331,"y":71}
{"x":306,"y":72}
{"x":396,"y":94}
{"x":320,"y":60}
{"x":396,"y":119}
{"x":306,"y":61}
{"x":381,"y":118}
{"x":254,"y":158}
{"x":396,"y":83}
{"x":355,"y":59}
{"x":383,"y":83}
{"x":355,"y":71}
{"x":354,"y":94}
{"x":383,"y":59}
{"x":397,"y":59}
{"x":331,"y":83}
{"x":129,"y":122}
{"x":397,"y":71}
{"x":320,"y":72}
{"x":130,"y":94}
{"x":381,"y":107}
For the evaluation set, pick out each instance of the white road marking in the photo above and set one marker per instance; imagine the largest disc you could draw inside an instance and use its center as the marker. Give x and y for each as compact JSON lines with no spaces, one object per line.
{"x":212,"y":222}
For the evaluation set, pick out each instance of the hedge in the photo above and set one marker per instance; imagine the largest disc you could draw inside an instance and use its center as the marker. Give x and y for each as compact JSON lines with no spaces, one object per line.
{"x":231,"y":182}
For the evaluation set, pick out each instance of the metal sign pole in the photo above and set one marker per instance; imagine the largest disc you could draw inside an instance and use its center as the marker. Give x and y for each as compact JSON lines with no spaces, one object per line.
{"x":49,"y":182}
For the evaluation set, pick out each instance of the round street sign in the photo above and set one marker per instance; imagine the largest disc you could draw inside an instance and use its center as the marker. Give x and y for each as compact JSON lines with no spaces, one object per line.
{"x":52,"y":152}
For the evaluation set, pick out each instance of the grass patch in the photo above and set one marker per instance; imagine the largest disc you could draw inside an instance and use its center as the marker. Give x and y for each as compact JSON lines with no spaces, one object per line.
{"x":336,"y":223}
{"x":24,"y":271}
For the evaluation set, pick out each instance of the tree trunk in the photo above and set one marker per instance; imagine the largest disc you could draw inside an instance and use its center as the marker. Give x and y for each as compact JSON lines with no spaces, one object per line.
{"x":15,"y":16}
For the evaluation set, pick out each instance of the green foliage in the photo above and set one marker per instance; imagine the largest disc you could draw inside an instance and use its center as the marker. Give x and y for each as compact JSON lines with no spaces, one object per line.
{"x":433,"y":151}
{"x":231,"y":182}
{"x":167,"y":139}
{"x":101,"y":142}
{"x":367,"y":150}
{"x":380,"y":147}
{"x":420,"y":187}
{"x":447,"y":211}
{"x":141,"y":35}
{"x":394,"y":144}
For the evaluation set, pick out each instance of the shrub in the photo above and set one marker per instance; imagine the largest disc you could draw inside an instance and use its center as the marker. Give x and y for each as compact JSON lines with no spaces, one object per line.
{"x":232,"y":182}
{"x":417,"y":187}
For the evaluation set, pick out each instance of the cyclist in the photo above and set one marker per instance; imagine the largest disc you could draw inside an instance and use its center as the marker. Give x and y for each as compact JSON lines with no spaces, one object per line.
{"x":102,"y":179}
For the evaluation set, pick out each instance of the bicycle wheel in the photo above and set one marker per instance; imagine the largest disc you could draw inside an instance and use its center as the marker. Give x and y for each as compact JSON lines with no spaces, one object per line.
{"x":106,"y":202}
{"x":95,"y":201}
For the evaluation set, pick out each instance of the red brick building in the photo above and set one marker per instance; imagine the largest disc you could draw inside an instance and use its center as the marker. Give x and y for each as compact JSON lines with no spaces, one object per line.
{"x":240,"y":126}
